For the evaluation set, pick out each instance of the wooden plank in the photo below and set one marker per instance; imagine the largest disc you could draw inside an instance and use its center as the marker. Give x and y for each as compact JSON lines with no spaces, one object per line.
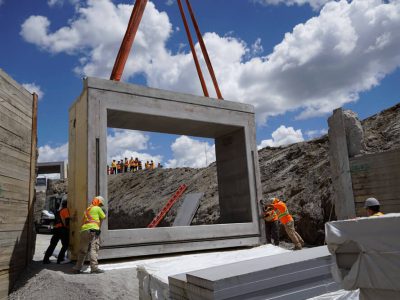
{"x":7,"y":83}
{"x":392,"y":155}
{"x":12,"y":184}
{"x":393,"y":184}
{"x":382,"y":199}
{"x":12,"y":99}
{"x":362,"y":169}
{"x":7,"y":153}
{"x":15,"y":113}
{"x":387,"y":175}
{"x":14,"y":125}
{"x":12,"y":140}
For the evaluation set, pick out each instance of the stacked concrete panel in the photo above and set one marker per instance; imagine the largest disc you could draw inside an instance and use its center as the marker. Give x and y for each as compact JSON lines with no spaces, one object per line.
{"x":366,"y":255}
{"x":295,"y":275}
{"x":108,"y":104}
{"x":188,"y":209}
{"x":17,"y":176}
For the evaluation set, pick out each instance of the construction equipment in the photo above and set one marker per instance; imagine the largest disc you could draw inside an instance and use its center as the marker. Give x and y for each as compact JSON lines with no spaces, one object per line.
{"x":179,"y":192}
{"x":133,"y":25}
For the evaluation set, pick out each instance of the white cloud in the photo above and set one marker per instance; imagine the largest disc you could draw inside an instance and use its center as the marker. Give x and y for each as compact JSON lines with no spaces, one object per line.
{"x":189,"y":152}
{"x":55,"y":2}
{"x":315,"y":4}
{"x":49,"y":154}
{"x":316,"y":133}
{"x":123,"y":143}
{"x":321,"y":65}
{"x":282,"y":136}
{"x":169,"y":2}
{"x":34,"y":88}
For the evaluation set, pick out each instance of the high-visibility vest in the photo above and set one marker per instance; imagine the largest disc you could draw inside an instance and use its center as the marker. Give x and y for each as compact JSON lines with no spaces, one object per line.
{"x":283,"y":213}
{"x":87,"y":217}
{"x":118,"y":166}
{"x":114,"y":164}
{"x":378,"y":214}
{"x":132,"y":163}
{"x":126,"y":163}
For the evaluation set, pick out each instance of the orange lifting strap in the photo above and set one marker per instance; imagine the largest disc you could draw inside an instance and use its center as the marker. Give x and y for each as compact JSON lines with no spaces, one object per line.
{"x":126,"y":45}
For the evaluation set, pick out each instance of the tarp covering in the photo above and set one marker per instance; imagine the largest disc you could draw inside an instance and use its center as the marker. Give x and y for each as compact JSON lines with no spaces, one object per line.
{"x":366,"y":252}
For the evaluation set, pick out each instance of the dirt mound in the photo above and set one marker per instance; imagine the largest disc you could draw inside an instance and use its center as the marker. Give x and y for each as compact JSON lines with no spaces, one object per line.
{"x":136,"y":198}
{"x":58,"y":282}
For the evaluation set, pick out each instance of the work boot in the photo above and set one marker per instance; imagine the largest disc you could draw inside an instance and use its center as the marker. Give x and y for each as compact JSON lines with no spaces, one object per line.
{"x":46,"y":261}
{"x":96,"y":271}
{"x":297,"y":247}
{"x":74,"y":271}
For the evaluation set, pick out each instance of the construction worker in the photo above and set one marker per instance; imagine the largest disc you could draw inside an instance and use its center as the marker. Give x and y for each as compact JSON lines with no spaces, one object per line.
{"x":136,"y":164}
{"x":271,"y":224}
{"x":146,"y":165}
{"x":114,"y":166}
{"x":372,"y":207}
{"x":90,"y":236}
{"x":131,"y":164}
{"x":60,"y":232}
{"x":140,"y":165}
{"x":159,"y":165}
{"x":151,"y":165}
{"x":287,"y":221}
{"x":119,"y":167}
{"x":126,"y":165}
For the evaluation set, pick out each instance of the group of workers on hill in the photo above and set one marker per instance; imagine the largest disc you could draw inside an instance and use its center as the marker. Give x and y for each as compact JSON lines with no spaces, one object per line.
{"x":131,"y":165}
{"x":275,"y":211}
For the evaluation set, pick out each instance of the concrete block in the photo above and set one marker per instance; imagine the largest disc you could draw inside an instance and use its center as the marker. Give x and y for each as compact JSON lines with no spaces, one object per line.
{"x":295,"y":275}
{"x":188,"y":209}
{"x":104,"y":104}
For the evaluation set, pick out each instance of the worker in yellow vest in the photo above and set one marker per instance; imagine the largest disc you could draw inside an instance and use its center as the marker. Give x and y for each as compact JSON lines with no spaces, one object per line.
{"x":131,"y":164}
{"x":126,"y":165}
{"x":287,"y":221}
{"x":372,"y":207}
{"x":90,"y":236}
{"x":114,"y":167}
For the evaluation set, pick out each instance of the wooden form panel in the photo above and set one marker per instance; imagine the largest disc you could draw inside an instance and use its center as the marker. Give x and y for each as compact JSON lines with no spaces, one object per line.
{"x":78,"y":164}
{"x":377,"y":175}
{"x":17,"y":174}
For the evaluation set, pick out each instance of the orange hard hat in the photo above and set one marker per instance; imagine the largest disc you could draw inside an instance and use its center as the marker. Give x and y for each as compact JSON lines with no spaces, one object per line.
{"x":98,"y":201}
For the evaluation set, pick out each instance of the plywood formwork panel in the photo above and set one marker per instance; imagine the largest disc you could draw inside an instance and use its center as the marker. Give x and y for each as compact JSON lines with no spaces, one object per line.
{"x":377,"y":175}
{"x":105,"y":103}
{"x":17,"y":175}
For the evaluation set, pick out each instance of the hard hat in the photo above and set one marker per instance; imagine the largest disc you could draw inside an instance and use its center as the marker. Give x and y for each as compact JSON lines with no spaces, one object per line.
{"x":371,"y":202}
{"x":98,"y":201}
{"x":274,"y":200}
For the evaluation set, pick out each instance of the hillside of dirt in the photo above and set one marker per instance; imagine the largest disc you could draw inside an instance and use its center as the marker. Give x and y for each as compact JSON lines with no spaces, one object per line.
{"x":298,"y":173}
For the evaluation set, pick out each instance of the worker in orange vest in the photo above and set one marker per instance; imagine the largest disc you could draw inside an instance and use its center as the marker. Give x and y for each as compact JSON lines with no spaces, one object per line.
{"x":271,"y":224}
{"x":131,"y":164}
{"x":60,"y":232}
{"x":119,"y":169}
{"x":287,"y":221}
{"x":90,"y":236}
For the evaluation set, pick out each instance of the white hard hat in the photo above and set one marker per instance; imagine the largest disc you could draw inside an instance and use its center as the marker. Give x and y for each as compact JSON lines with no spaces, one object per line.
{"x":371,"y":202}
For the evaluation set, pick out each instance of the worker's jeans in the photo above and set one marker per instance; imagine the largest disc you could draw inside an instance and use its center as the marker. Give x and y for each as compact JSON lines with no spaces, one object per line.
{"x":272,"y":232}
{"x":293,"y":235}
{"x":62,"y":234}
{"x":90,"y":243}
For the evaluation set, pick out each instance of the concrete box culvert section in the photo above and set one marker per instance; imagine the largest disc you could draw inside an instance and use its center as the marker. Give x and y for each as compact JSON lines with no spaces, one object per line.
{"x":107,"y":104}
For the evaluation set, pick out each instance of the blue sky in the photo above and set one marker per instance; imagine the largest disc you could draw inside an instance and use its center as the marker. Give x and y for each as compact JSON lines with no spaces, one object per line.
{"x":294,"y":60}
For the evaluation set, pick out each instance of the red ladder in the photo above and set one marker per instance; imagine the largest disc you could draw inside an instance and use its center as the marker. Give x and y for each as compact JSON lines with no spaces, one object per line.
{"x":167,"y":206}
